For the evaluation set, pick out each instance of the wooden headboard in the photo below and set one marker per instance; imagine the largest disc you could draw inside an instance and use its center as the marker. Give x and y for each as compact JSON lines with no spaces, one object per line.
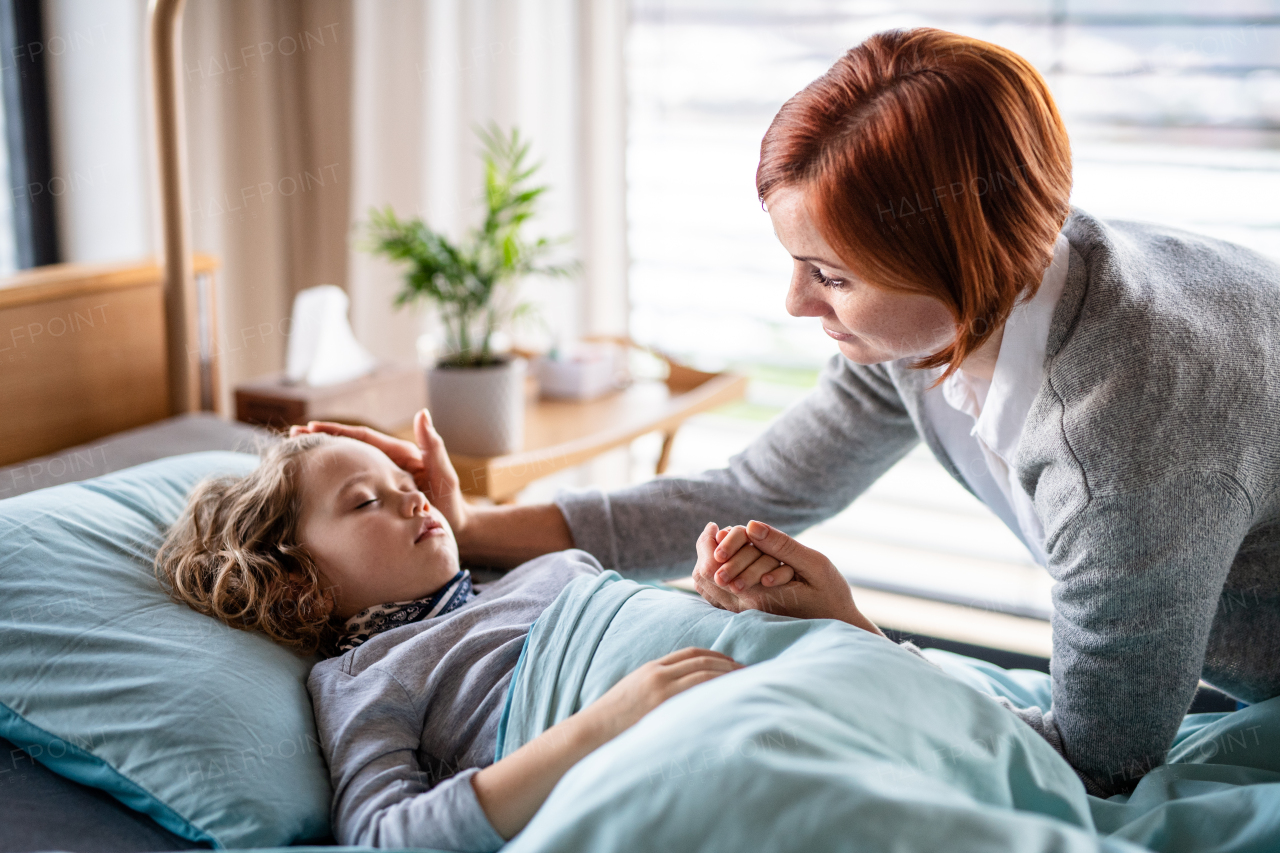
{"x":83,"y":353}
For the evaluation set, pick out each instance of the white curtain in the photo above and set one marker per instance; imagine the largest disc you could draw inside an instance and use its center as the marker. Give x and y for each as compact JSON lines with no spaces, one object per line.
{"x":303,"y":114}
{"x":94,"y":56}
{"x":426,"y":74}
{"x":268,"y":102}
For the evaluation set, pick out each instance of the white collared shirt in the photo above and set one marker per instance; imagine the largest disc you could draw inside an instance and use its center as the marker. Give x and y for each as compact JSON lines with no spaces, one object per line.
{"x":979,"y":423}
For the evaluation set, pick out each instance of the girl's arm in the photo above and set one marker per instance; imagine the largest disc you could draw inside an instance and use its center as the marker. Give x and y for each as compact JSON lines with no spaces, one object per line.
{"x":511,"y":790}
{"x":388,"y":793}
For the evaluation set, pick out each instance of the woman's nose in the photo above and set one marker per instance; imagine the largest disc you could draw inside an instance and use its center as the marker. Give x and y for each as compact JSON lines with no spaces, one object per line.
{"x":801,"y":300}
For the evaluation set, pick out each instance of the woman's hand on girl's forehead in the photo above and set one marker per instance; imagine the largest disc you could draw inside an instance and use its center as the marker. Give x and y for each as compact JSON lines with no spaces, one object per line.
{"x":371,"y":532}
{"x":427,"y":461}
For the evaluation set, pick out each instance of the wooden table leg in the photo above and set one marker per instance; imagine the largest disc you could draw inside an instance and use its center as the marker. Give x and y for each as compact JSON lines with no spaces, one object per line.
{"x":665,"y":456}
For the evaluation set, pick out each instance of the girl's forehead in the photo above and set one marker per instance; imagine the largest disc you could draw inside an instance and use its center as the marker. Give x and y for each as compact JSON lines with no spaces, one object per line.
{"x":341,"y":458}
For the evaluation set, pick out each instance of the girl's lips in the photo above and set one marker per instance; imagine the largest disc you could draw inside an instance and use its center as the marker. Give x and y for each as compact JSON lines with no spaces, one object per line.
{"x":429,"y":527}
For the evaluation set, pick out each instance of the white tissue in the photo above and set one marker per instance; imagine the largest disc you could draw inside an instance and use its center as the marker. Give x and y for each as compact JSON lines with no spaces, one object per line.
{"x":322,"y":348}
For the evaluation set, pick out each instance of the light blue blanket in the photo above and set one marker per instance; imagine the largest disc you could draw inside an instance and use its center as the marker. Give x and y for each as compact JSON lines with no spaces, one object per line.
{"x":836,"y":739}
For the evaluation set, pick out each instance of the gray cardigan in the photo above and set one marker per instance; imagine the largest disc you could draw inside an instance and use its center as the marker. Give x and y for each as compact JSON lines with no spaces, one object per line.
{"x":1152,"y":456}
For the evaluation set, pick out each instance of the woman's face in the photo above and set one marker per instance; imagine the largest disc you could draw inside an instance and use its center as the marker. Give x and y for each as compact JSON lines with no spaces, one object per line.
{"x":374,"y":537}
{"x":870,"y":324}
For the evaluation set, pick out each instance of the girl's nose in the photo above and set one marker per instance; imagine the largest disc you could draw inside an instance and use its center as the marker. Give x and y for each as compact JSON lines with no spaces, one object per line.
{"x":418,"y":501}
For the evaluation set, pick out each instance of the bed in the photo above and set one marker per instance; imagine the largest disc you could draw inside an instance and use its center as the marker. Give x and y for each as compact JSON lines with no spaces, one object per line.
{"x":961,"y":766}
{"x":164,"y":729}
{"x":128,"y":400}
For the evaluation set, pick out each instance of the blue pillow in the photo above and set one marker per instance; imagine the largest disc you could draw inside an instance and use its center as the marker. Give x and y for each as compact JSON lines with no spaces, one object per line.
{"x":108,"y":682}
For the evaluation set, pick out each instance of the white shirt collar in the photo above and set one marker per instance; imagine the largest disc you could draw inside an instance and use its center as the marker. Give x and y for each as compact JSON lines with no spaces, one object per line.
{"x":1000,"y":408}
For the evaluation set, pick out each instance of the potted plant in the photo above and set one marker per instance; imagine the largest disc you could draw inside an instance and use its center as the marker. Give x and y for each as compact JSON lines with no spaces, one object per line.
{"x":476,"y":395}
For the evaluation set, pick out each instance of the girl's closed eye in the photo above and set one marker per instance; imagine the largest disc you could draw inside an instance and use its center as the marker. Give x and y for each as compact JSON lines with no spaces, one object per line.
{"x":370,"y":501}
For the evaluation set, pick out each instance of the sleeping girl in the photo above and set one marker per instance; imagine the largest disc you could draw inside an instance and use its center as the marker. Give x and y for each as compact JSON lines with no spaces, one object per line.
{"x":328,"y":545}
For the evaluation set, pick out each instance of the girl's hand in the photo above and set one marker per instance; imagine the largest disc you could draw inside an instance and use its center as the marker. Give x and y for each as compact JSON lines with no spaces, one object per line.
{"x":736,"y":564}
{"x":649,"y":686}
{"x":510,"y":791}
{"x":428,"y":462}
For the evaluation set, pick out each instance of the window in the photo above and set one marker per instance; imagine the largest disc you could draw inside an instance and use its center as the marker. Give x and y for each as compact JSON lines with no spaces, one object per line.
{"x":1174,"y":117}
{"x":8,"y":243}
{"x":28,"y":235}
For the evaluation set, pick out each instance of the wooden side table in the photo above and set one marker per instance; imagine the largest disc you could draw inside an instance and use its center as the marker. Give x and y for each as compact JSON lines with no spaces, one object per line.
{"x":561,"y":434}
{"x":385,"y":399}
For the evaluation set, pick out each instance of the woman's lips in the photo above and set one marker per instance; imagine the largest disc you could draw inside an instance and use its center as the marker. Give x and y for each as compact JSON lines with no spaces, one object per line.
{"x":839,"y":336}
{"x":430,"y":527}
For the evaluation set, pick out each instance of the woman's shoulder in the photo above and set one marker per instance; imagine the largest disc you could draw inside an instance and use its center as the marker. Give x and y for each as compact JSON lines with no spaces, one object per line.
{"x":1157,"y":280}
{"x":1160,"y":358}
{"x":1181,"y":246}
{"x":1164,"y":311}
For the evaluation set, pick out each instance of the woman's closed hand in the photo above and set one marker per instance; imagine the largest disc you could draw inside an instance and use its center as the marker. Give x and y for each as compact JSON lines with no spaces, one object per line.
{"x":816,"y":589}
{"x":653,"y":683}
{"x":729,"y":560}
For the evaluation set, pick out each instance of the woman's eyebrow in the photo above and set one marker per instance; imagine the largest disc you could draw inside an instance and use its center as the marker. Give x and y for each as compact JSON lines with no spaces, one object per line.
{"x":819,"y":261}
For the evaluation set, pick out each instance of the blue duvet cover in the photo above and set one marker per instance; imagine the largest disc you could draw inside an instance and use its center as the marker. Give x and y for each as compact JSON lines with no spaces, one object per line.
{"x":836,"y":739}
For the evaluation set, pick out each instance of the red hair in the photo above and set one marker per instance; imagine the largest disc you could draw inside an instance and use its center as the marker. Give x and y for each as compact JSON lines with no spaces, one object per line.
{"x":931,"y":163}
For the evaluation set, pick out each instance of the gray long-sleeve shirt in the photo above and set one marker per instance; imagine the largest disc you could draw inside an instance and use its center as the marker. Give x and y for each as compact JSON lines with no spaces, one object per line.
{"x":1152,"y":457}
{"x":410,"y":715}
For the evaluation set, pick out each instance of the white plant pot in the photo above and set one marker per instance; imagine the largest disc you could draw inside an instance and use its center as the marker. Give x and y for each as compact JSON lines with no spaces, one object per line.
{"x":479,"y":411}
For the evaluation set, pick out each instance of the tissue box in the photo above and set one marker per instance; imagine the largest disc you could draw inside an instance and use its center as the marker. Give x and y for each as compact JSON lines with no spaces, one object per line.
{"x":385,"y":399}
{"x":584,"y":372}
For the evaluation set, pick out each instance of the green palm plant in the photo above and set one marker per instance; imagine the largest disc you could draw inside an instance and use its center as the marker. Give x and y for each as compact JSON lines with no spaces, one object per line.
{"x":467,"y":280}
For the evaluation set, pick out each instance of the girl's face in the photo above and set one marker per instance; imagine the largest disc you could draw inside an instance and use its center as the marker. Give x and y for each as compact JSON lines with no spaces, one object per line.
{"x":869,"y":323}
{"x":374,"y":537}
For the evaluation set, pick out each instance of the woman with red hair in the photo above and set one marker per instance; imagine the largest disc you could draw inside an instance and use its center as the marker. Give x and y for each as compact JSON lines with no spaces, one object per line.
{"x":1108,"y":389}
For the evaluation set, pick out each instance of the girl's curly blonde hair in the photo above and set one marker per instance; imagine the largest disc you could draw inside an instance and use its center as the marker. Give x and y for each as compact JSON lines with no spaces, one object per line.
{"x":234,"y":553}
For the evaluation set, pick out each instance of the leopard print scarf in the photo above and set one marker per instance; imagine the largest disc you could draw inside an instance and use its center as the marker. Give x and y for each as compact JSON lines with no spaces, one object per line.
{"x":384,"y":617}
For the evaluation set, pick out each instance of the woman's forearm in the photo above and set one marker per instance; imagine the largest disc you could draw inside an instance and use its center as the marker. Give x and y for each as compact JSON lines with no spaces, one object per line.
{"x":511,"y":790}
{"x":508,"y":535}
